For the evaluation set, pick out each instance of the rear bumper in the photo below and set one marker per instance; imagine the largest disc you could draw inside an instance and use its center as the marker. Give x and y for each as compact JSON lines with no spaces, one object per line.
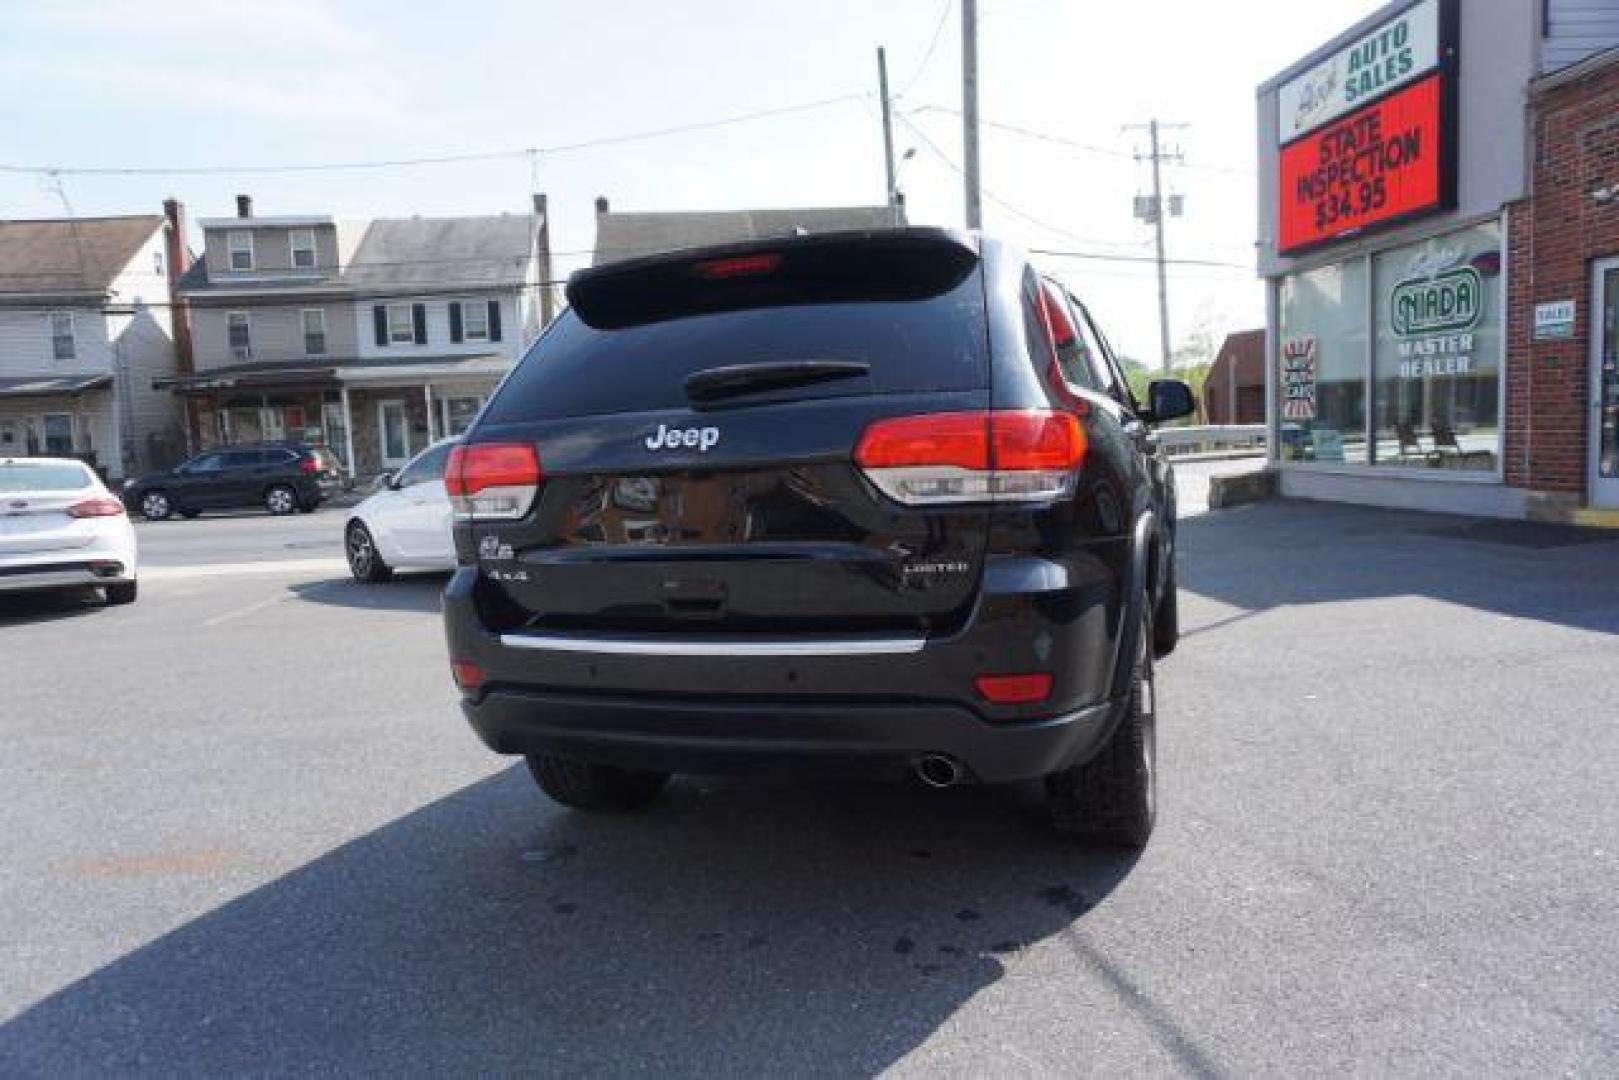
{"x":64,"y":574}
{"x":717,"y":735}
{"x":695,"y":704}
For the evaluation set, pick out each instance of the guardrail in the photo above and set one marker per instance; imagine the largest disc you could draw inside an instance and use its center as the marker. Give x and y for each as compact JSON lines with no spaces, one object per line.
{"x":1211,"y":438}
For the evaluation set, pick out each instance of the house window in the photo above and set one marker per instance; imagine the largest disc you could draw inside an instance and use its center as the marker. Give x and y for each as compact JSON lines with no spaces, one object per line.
{"x":62,"y":344}
{"x":157,"y":263}
{"x":401,"y":327}
{"x":314,"y":331}
{"x":241,"y":338}
{"x":303,"y":248}
{"x":475,"y":321}
{"x":241,"y":250}
{"x":458,"y":413}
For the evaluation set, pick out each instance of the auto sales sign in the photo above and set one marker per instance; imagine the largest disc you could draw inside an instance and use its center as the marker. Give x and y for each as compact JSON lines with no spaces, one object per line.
{"x":1368,"y":135}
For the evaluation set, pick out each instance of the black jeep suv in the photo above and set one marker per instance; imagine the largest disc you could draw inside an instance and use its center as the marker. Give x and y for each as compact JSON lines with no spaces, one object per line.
{"x":281,"y":477}
{"x":876,"y":502}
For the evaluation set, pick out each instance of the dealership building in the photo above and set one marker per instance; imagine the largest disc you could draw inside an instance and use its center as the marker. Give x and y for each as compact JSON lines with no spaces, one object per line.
{"x":1439,"y":236}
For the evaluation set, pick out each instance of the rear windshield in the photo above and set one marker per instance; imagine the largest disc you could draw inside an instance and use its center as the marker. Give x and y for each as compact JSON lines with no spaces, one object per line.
{"x":937,"y":342}
{"x":42,"y":476}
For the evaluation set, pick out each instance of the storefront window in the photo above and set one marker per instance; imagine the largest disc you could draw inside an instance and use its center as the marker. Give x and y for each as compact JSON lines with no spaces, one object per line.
{"x":1321,"y":388}
{"x":1437,"y":358}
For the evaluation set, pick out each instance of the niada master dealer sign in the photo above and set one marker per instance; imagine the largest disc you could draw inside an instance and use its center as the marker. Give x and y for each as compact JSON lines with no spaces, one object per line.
{"x":1369,"y":134}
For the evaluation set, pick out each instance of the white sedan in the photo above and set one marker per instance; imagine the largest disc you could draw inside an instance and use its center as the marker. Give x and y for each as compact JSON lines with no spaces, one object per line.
{"x":61,"y":527}
{"x":406,"y":524}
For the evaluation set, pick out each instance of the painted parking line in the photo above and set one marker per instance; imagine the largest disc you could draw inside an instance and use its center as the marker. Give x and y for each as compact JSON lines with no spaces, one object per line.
{"x":279,"y":566}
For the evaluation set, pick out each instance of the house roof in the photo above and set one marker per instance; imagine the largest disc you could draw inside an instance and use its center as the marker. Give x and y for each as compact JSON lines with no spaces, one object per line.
{"x":49,"y":385}
{"x":633,"y":235}
{"x":69,"y":256}
{"x":404,"y":255}
{"x":1246,"y":350}
{"x":440,"y":252}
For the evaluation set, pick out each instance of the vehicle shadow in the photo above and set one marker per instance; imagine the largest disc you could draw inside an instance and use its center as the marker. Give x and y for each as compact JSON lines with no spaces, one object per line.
{"x":1287,"y":552}
{"x":48,"y":605}
{"x":406,"y":592}
{"x":740,"y":929}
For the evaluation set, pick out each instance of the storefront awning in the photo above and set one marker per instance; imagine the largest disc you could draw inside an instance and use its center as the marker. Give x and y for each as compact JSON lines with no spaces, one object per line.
{"x":26,"y":386}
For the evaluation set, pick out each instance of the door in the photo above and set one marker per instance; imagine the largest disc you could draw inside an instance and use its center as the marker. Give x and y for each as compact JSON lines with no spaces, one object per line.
{"x":199,"y":482}
{"x":1605,"y":385}
{"x":393,"y":432}
{"x":420,"y":515}
{"x":13,"y":443}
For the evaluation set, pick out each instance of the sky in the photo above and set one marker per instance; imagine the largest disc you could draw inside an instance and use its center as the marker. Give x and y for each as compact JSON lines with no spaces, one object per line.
{"x":215,"y":87}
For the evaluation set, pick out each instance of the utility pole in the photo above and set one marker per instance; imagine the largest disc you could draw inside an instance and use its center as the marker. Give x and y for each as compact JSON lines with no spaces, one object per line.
{"x":892,"y":200}
{"x":969,"y":111}
{"x":1155,"y":211}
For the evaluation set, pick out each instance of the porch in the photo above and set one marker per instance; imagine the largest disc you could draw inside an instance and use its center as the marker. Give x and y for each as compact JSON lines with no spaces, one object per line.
{"x":61,"y":416}
{"x":374,"y":417}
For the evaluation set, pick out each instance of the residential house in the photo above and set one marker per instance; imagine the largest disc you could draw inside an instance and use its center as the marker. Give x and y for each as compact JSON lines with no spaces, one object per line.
{"x":1234,"y":390}
{"x":632,"y":235}
{"x":376,"y":337}
{"x":85,"y":329}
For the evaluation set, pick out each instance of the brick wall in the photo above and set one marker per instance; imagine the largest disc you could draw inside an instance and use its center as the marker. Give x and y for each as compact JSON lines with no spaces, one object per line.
{"x":1553,"y":238}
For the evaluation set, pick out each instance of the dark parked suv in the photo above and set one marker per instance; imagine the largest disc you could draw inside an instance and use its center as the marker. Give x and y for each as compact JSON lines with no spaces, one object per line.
{"x":876,"y":502}
{"x":281,"y":477}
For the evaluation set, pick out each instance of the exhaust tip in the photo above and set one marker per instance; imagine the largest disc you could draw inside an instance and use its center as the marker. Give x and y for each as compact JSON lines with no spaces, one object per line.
{"x":939,"y":771}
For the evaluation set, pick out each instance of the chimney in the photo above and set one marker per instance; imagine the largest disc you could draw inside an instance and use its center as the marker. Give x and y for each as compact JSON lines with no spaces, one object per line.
{"x":542,"y":257}
{"x":244,"y":206}
{"x":177,"y":256}
{"x":601,"y":205}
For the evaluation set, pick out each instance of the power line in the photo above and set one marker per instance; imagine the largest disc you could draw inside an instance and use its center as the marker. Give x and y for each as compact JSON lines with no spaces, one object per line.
{"x":441,"y":159}
{"x":933,"y":43}
{"x":1073,"y":144}
{"x":1009,"y":207}
{"x":1147,"y":259}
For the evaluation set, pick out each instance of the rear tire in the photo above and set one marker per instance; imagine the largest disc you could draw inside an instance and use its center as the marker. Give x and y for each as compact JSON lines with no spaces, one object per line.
{"x":1112,"y":799}
{"x":1166,"y":621}
{"x":122,"y":593}
{"x":281,"y":500}
{"x":365,"y":561}
{"x":585,"y":786}
{"x":156,"y":506}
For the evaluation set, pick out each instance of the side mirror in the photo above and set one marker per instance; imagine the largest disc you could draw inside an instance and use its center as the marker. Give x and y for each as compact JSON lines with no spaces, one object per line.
{"x":1169,"y":399}
{"x":383,"y":482}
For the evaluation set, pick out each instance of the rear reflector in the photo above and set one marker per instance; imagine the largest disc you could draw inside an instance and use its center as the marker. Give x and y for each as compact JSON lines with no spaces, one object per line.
{"x":100,"y":506}
{"x":1014,"y":689}
{"x":984,"y":456}
{"x":492,"y":481}
{"x":468,"y":676}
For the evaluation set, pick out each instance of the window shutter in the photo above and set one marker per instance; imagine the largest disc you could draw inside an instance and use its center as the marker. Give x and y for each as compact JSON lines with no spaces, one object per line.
{"x":494,"y":320}
{"x":418,"y":315}
{"x":455,"y":321}
{"x":379,"y":319}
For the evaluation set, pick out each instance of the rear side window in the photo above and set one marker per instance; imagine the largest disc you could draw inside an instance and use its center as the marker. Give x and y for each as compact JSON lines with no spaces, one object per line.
{"x":925,"y":339}
{"x":43,"y":476}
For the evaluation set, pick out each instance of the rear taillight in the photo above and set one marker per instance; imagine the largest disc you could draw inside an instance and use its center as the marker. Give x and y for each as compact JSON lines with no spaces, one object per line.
{"x":100,"y":506}
{"x":308,"y":465}
{"x":987,"y":456}
{"x":492,"y":481}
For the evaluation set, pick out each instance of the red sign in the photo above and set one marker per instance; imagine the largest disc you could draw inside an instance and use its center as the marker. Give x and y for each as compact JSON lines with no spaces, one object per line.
{"x":1383,"y":162}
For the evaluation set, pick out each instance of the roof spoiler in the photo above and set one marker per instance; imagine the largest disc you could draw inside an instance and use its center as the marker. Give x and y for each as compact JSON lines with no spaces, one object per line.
{"x":825,"y":268}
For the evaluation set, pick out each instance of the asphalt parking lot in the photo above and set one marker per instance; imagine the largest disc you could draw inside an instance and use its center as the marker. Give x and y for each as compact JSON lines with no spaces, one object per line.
{"x":244,"y":829}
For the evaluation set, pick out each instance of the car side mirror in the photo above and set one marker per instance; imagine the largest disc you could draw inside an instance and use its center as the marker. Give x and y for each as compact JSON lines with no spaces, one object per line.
{"x":1169,"y":399}
{"x":385,"y":482}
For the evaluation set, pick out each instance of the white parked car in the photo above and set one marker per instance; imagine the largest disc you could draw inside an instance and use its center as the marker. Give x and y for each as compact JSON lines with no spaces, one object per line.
{"x":406,"y":524}
{"x":61,"y":527}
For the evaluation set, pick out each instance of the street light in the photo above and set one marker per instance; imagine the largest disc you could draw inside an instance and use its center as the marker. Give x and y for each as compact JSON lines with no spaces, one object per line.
{"x":899,"y":195}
